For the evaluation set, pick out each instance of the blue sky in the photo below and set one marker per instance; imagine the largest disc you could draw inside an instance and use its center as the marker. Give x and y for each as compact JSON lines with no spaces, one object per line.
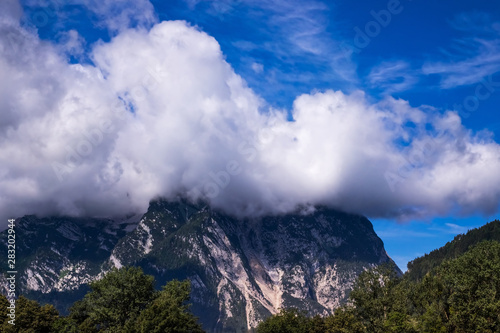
{"x":437,"y":56}
{"x":405,"y":242}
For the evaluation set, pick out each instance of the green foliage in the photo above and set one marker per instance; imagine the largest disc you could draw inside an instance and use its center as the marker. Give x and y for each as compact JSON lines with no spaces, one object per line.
{"x":287,"y":321}
{"x":293,"y":321}
{"x":168,"y":313}
{"x":397,"y":322}
{"x":124,"y":300}
{"x":118,"y":297}
{"x":432,"y":321}
{"x":65,"y":325}
{"x":459,"y":295}
{"x":4,"y":303}
{"x":472,"y":286}
{"x":344,"y":320}
{"x":30,"y":316}
{"x":372,"y":296}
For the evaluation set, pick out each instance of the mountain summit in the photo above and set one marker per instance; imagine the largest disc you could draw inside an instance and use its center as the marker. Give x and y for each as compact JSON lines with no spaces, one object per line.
{"x":241,"y":270}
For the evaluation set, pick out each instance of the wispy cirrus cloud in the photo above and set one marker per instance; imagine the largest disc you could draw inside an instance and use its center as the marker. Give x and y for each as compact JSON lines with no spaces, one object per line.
{"x":294,"y":40}
{"x":113,"y":15}
{"x":392,"y":77}
{"x":457,"y":229}
{"x":401,"y":232}
{"x":472,"y":57}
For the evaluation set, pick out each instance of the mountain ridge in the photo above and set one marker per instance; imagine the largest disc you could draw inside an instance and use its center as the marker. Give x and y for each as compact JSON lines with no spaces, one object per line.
{"x":241,"y":270}
{"x":420,"y":266}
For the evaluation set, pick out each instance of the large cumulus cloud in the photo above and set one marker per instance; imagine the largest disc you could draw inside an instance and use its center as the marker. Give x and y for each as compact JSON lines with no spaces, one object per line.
{"x":159,"y":112}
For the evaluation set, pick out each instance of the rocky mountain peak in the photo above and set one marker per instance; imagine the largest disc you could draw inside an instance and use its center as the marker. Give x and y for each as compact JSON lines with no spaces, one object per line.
{"x":241,"y":270}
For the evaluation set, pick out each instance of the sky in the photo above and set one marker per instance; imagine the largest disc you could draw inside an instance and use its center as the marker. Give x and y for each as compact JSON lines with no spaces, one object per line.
{"x":388,"y":109}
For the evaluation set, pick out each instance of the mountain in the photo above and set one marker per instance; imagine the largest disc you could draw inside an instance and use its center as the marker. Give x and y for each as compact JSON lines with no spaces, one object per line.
{"x":241,"y":270}
{"x":61,"y":254}
{"x":418,"y":267}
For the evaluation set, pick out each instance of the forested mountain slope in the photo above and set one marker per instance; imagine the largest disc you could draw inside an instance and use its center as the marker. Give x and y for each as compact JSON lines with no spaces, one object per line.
{"x":418,"y":267}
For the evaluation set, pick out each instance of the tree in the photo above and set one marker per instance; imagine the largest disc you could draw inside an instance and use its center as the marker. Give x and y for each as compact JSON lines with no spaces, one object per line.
{"x":287,"y":321}
{"x":118,"y":297}
{"x":66,"y":325}
{"x":30,"y":317}
{"x":317,"y":325}
{"x":431,"y":303}
{"x":344,"y":320}
{"x":4,"y":325}
{"x":372,"y":298}
{"x":168,"y":313}
{"x":473,"y":283}
{"x":432,"y":321}
{"x":462,"y":294}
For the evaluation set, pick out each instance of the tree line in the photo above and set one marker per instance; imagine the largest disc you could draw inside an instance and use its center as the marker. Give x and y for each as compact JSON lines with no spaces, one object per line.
{"x":124,"y":300}
{"x":461,"y":294}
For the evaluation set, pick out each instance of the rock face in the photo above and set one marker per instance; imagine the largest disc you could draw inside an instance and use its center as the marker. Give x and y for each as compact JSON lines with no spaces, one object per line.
{"x":241,"y":270}
{"x":55,"y":257}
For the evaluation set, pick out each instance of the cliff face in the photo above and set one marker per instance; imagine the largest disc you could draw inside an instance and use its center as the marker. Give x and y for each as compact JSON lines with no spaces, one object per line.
{"x":241,"y":270}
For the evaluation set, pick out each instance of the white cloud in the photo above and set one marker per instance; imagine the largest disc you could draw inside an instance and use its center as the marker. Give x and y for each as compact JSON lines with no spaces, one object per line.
{"x":163,"y":114}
